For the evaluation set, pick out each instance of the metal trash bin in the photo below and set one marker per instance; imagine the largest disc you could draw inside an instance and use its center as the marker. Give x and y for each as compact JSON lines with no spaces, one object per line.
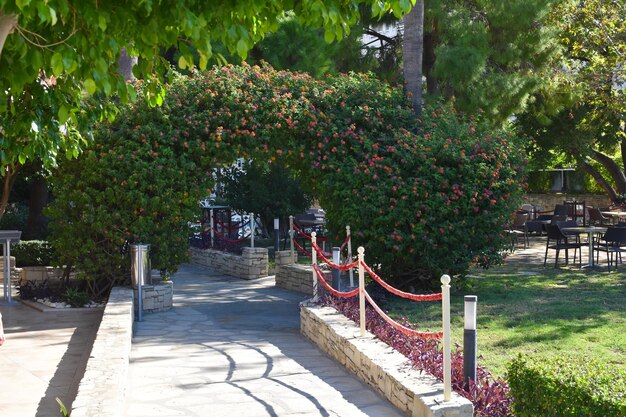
{"x":140,"y":256}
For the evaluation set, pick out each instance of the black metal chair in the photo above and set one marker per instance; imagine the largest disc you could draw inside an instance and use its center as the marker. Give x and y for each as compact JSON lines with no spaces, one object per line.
{"x":561,"y":241}
{"x":612,"y":243}
{"x":596,"y":217}
{"x":518,"y":228}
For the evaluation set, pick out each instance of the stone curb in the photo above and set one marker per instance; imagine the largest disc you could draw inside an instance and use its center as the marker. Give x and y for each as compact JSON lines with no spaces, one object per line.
{"x":102,"y":390}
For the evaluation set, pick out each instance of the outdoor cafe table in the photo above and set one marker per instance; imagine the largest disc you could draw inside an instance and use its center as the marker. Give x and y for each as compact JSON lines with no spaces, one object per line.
{"x":590,"y":230}
{"x":618,"y":214}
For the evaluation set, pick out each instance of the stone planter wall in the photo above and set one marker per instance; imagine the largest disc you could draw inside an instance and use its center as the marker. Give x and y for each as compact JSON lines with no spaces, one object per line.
{"x":41,"y":273}
{"x":156,"y":297}
{"x":293,"y":276}
{"x":251,"y":264}
{"x":378,"y":365}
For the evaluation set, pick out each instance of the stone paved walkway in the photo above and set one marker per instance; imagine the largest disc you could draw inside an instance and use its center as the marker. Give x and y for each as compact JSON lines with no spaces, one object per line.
{"x":44,"y":357}
{"x":233,"y":348}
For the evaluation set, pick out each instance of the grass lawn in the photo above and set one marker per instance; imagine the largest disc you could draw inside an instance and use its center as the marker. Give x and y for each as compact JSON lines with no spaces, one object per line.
{"x":523,"y":308}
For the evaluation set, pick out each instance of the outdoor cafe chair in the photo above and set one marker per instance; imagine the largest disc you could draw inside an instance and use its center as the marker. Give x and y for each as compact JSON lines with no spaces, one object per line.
{"x":596,"y":217}
{"x":518,"y":228}
{"x":561,"y":241}
{"x":570,"y":234}
{"x":612,"y":243}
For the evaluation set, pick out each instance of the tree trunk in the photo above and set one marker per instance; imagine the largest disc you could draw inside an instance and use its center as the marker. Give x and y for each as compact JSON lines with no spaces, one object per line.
{"x":7,"y":185}
{"x":37,"y":202}
{"x":412,"y":52}
{"x":616,"y":173}
{"x":602,"y":182}
{"x":126,"y":63}
{"x":7,"y":25}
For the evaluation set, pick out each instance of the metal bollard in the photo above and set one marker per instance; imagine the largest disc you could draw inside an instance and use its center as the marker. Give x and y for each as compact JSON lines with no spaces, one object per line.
{"x":140,"y":272}
{"x":336,"y":273}
{"x":276,"y":235}
{"x":469,"y":340}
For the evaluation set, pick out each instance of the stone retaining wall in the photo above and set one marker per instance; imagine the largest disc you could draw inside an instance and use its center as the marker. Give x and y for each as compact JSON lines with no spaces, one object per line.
{"x":378,"y":365}
{"x":102,"y":390}
{"x":156,"y":297}
{"x":16,"y":273}
{"x":251,"y":264}
{"x":548,"y":201}
{"x":293,"y":276}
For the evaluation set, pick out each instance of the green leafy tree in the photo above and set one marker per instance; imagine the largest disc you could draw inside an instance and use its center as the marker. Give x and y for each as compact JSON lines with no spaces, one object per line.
{"x":581,"y":112}
{"x":489,"y":55}
{"x":269,"y":190}
{"x":57,"y":55}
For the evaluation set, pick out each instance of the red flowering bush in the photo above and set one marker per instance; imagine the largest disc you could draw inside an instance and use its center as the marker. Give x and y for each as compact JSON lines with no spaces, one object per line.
{"x":489,"y":395}
{"x":423,"y":196}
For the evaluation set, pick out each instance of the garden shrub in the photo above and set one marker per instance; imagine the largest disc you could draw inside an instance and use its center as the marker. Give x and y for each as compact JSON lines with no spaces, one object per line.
{"x":423,"y":196}
{"x":32,"y":253}
{"x":133,"y":185}
{"x":489,"y":395}
{"x":566,"y":387}
{"x":423,"y":203}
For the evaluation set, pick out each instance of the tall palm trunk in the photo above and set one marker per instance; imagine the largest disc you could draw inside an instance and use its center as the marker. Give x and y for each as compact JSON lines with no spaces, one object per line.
{"x":412,"y":51}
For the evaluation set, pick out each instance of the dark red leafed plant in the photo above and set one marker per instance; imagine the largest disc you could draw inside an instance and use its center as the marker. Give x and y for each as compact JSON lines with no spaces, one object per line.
{"x":489,"y":395}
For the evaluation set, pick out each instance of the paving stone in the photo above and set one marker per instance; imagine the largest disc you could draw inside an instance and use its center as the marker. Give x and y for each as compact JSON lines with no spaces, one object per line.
{"x":233,"y":348}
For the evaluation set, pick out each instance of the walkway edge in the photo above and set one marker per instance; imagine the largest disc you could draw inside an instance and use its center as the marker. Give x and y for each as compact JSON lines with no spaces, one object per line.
{"x":102,"y":390}
{"x":378,"y":365}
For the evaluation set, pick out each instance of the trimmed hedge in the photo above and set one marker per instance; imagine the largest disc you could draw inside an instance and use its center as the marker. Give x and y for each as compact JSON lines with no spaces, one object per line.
{"x":566,"y":386}
{"x":32,"y":253}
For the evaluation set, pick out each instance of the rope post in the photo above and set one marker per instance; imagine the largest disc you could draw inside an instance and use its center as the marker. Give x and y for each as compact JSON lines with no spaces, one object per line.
{"x":350,"y":273}
{"x":212,"y":225}
{"x":469,"y":340}
{"x":447,"y":362}
{"x":314,"y":262}
{"x":361,"y":256}
{"x":276,"y":234}
{"x":252,"y":229}
{"x":293,"y":258}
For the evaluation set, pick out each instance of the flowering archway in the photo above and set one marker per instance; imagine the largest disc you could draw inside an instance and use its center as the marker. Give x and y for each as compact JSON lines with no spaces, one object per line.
{"x":427,"y":196}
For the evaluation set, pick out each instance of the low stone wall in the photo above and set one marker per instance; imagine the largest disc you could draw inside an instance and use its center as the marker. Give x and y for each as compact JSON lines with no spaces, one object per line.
{"x":548,"y":201}
{"x":293,"y":276}
{"x":252,"y":264}
{"x":378,"y":365}
{"x":102,"y":390}
{"x":16,"y":273}
{"x":41,"y":273}
{"x":156,"y":297}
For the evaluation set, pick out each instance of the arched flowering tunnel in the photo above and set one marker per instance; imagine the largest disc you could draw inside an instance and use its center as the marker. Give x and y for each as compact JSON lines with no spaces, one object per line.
{"x":423,"y":196}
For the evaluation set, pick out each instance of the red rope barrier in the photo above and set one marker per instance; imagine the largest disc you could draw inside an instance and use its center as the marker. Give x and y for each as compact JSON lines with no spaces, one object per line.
{"x":301,"y":249}
{"x":304,"y":235}
{"x":398,"y":326}
{"x":231,"y":228}
{"x":330,"y":263}
{"x":414,"y":297}
{"x":345,"y":242}
{"x":320,"y":278}
{"x":230,"y":240}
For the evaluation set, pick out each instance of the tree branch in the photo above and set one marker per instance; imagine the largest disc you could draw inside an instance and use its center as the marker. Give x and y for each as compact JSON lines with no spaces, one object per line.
{"x":600,"y":180}
{"x":8,"y":23}
{"x":372,"y":32}
{"x":616,"y":173}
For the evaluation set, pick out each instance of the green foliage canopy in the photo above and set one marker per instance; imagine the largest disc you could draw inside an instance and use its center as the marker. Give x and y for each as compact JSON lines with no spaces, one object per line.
{"x":58,"y":55}
{"x":431,"y":195}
